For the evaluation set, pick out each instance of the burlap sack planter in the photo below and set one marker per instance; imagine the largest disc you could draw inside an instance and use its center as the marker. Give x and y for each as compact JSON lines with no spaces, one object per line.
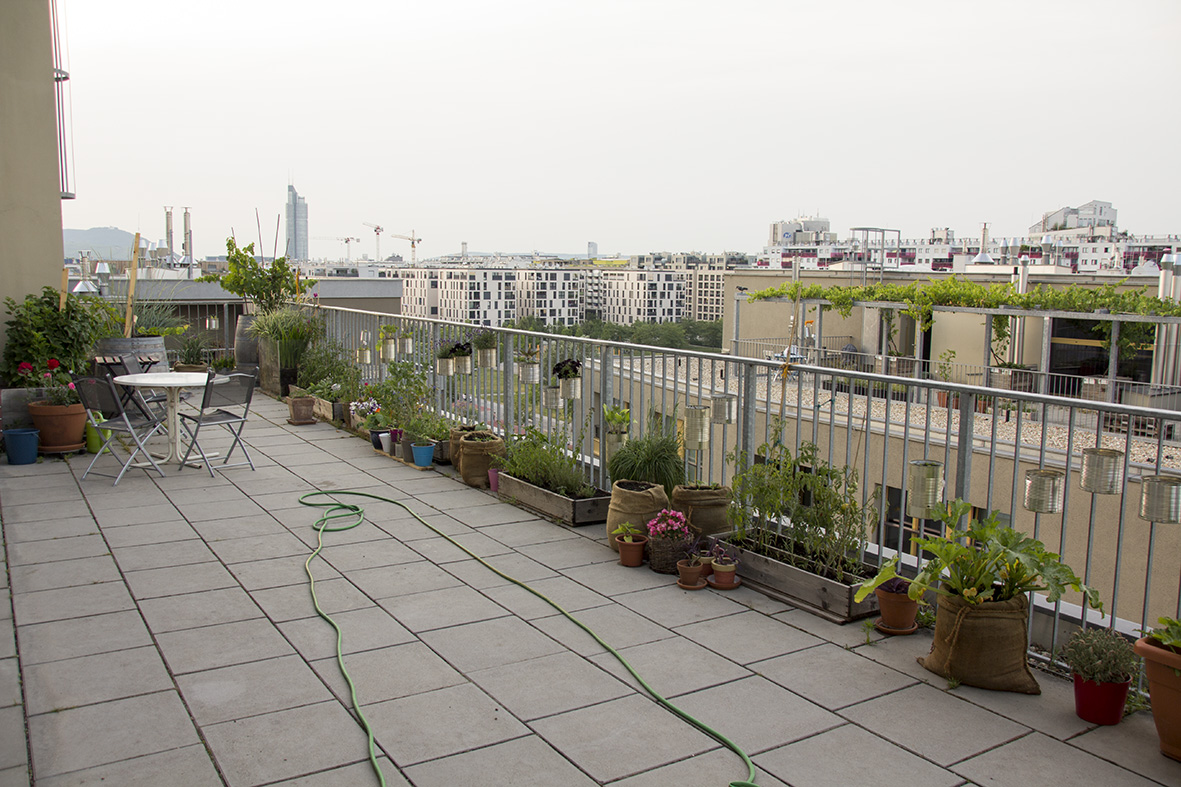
{"x":456,"y":448}
{"x":704,"y":507}
{"x":636,"y":502}
{"x":477,"y":450}
{"x":982,"y":645}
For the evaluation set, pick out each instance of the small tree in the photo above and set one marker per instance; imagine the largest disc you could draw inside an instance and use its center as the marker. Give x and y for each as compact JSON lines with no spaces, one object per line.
{"x":267,"y":287}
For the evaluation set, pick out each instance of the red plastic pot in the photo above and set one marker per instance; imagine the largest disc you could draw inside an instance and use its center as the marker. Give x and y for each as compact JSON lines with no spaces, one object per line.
{"x":1100,"y":703}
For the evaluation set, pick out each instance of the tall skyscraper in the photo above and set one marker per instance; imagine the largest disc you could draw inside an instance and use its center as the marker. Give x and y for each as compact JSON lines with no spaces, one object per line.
{"x":297,"y":225}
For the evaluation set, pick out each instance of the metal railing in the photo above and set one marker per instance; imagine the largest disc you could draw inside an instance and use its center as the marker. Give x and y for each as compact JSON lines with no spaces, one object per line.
{"x":876,"y":423}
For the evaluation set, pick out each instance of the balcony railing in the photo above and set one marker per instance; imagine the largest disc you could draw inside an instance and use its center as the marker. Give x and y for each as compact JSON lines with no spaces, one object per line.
{"x":987,"y":438}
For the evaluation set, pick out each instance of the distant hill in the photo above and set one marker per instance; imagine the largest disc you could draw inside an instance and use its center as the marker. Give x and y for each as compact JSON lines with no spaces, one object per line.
{"x":107,"y":243}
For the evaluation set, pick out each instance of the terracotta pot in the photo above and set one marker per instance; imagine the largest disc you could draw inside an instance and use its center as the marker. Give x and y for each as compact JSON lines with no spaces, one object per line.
{"x":62,"y":427}
{"x":689,"y":574}
{"x":898,"y":610}
{"x":1163,"y":666}
{"x":707,"y":566}
{"x":631,"y":553}
{"x":724,"y":575}
{"x":299,"y":410}
{"x":1100,"y":703}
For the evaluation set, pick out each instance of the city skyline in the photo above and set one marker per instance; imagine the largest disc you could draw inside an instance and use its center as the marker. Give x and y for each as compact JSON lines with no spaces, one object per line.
{"x":641,"y":127}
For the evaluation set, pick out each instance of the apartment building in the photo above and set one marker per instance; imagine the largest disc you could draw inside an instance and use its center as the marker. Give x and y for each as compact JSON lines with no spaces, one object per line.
{"x":556,"y":297}
{"x":477,"y":296}
{"x":630,"y":296}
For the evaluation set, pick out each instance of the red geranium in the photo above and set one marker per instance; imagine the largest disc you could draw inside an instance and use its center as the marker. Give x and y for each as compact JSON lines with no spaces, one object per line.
{"x":25,"y":369}
{"x":52,"y":363}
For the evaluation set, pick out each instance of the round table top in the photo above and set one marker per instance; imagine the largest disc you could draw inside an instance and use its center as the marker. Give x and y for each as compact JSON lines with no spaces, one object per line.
{"x":164,"y":379}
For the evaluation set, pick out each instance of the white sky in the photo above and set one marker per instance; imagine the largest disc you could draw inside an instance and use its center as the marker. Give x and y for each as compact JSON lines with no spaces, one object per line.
{"x":643,"y":125}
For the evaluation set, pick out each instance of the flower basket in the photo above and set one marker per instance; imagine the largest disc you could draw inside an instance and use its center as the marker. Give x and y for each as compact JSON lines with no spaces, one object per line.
{"x":663,"y":554}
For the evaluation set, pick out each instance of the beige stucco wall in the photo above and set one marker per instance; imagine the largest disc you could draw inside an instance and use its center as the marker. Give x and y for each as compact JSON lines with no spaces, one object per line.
{"x":30,"y":192}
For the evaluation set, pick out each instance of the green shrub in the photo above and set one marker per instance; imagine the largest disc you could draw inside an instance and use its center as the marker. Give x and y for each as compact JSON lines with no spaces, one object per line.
{"x":538,"y":459}
{"x":38,"y":331}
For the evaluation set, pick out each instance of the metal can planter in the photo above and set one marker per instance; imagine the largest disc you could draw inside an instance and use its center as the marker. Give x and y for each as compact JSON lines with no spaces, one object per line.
{"x":571,"y":387}
{"x":486,"y":359}
{"x":445,"y":367}
{"x":529,"y":372}
{"x":552,"y":396}
{"x":463,"y":364}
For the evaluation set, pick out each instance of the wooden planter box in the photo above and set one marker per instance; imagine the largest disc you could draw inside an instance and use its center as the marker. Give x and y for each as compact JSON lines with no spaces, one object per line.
{"x":567,"y":510}
{"x":328,"y":411}
{"x":818,"y":595}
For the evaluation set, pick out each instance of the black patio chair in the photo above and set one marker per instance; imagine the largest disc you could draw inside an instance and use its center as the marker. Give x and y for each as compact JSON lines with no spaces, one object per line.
{"x":100,"y":396}
{"x":225,"y":403}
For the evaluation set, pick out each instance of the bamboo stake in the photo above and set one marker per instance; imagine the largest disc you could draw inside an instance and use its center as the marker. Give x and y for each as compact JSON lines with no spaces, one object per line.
{"x":128,"y":320}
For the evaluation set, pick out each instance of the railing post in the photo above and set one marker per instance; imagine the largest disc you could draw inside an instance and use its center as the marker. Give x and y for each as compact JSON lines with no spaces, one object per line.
{"x":1112,"y":360}
{"x":606,"y":397}
{"x":963,"y":454}
{"x":440,"y":384}
{"x":748,"y":404}
{"x":509,"y":399}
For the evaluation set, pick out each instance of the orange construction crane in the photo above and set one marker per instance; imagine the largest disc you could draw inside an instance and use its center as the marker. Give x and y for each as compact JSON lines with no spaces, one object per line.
{"x":414,"y":241}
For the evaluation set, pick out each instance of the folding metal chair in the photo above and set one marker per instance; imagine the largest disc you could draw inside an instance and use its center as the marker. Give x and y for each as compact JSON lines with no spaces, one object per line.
{"x":225,"y":403}
{"x":100,"y":395}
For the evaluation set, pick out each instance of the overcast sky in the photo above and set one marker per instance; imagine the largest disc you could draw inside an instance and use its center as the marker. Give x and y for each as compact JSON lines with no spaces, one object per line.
{"x":642,"y":125}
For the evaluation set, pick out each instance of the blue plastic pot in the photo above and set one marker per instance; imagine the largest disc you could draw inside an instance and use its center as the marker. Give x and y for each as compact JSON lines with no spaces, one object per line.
{"x":21,"y":445}
{"x":424,"y":454}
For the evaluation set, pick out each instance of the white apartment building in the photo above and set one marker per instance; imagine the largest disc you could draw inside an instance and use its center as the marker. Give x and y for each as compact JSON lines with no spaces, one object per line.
{"x":631,"y":296}
{"x":704,"y":294}
{"x":556,"y":297}
{"x":1093,"y":214}
{"x":478,"y":296}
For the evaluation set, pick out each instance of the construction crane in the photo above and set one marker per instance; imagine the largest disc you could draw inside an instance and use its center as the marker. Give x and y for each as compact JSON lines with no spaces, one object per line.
{"x":414,"y":241}
{"x":348,"y":249}
{"x":377,"y":230}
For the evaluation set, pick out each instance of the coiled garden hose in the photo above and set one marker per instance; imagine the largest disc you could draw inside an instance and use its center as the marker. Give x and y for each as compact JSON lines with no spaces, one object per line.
{"x":355,"y":514}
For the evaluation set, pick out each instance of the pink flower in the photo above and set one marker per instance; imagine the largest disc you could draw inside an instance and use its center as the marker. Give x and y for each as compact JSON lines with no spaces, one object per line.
{"x":70,"y":386}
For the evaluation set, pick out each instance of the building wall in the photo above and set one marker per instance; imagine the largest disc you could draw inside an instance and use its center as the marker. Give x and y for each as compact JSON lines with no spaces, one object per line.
{"x":30,"y":192}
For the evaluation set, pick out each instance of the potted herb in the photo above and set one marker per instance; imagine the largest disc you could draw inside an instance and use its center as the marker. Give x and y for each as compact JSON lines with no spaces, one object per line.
{"x":725,"y":568}
{"x":551,"y":395}
{"x":982,"y":575}
{"x":485,"y":343}
{"x":461,"y":353}
{"x":1161,"y":651}
{"x":898,"y":609}
{"x":689,"y":570}
{"x":190,"y":353}
{"x":478,"y":448}
{"x":542,"y":475}
{"x":1103,"y":664}
{"x":630,"y":543}
{"x":396,"y":341}
{"x":569,"y":374}
{"x":668,"y":538}
{"x":617,"y":422}
{"x":945,"y":370}
{"x":528,"y":365}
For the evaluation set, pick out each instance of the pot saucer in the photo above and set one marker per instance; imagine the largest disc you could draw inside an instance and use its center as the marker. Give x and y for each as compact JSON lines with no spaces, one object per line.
{"x":717,"y":586}
{"x":699,"y":586}
{"x":889,"y":632}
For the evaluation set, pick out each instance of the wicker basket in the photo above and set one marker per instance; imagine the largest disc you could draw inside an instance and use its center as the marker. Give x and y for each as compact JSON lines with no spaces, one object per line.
{"x":663,"y":554}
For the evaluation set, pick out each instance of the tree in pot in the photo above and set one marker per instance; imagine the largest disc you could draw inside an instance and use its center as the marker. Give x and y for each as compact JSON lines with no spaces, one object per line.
{"x":1161,"y":650}
{"x":1103,"y":664}
{"x":982,"y":575}
{"x":266,"y":286}
{"x":630,"y":543}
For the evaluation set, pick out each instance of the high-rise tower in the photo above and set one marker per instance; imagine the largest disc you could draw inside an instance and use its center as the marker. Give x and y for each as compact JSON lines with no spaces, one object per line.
{"x":297,"y":226}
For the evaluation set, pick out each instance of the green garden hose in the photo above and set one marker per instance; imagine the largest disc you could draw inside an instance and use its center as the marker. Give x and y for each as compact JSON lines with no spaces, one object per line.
{"x":356,"y":515}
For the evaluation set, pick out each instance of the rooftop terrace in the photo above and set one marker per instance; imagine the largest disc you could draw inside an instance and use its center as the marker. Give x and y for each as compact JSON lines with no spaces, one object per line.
{"x":161,"y":632}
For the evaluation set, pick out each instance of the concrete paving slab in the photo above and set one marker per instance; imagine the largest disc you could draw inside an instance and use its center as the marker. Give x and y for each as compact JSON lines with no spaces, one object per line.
{"x":524,"y":762}
{"x":174,"y":553}
{"x":154,"y":533}
{"x":552,"y":684}
{"x":245,"y":690}
{"x":402,"y":579}
{"x":85,"y":737}
{"x":489,"y":514}
{"x":277,"y":572}
{"x":203,"y":511}
{"x":19,"y":532}
{"x":77,"y":602}
{"x":66,"y":639}
{"x":36,"y":512}
{"x":193,"y":650}
{"x":285,"y":744}
{"x":720,"y":766}
{"x":831,"y":676}
{"x":615,"y":625}
{"x":10,"y":682}
{"x":671,"y":606}
{"x":935,"y":723}
{"x":42,"y":495}
{"x":477,"y":575}
{"x":31,"y":552}
{"x":292,"y":602}
{"x":362,"y":629}
{"x":204,"y":608}
{"x":673,"y":666}
{"x":301,"y":524}
{"x":357,"y":775}
{"x":388,"y":673}
{"x":1051,"y":712}
{"x":188,"y":766}
{"x":526,"y":532}
{"x":570,"y":553}
{"x":567,"y":593}
{"x":238,"y":527}
{"x":436,"y":609}
{"x":250,"y":548}
{"x":622,"y":737}
{"x":15,"y":777}
{"x":850,"y":755}
{"x":133,"y":514}
{"x":748,"y":637}
{"x":13,"y":753}
{"x":489,"y":643}
{"x":193,"y":578}
{"x":1035,"y":755}
{"x":1132,"y":744}
{"x":64,"y":574}
{"x":446,"y":721}
{"x":384,"y":551}
{"x":86,"y":680}
{"x":611,"y":579}
{"x":441,"y":551}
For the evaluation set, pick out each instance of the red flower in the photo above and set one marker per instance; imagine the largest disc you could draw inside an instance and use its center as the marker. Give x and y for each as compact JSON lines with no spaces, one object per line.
{"x":25,"y":369}
{"x":52,"y":363}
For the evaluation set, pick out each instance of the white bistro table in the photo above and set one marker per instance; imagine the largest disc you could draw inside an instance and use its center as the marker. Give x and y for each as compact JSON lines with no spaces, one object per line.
{"x":172,"y":383}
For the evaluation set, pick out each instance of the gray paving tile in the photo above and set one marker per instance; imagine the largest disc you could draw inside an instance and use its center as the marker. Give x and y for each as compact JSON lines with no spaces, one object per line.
{"x":280,"y":571}
{"x":1035,"y":755}
{"x":622,"y":737}
{"x":447,"y":721}
{"x":1051,"y":712}
{"x":13,"y":753}
{"x":402,"y":579}
{"x":442,"y":551}
{"x":192,"y":650}
{"x":850,"y":634}
{"x":157,"y":582}
{"x":523,"y":762}
{"x":825,"y":761}
{"x":617,"y":626}
{"x":720,"y":766}
{"x":188,"y":766}
{"x":16,"y":533}
{"x":368,"y":554}
{"x":10,"y":682}
{"x":463,"y":499}
{"x":613,"y":580}
{"x":441,"y":608}
{"x":152,"y":533}
{"x":64,"y":574}
{"x":831,"y":676}
{"x":108,"y":732}
{"x":45,"y":605}
{"x":748,"y":637}
{"x":1133,"y":744}
{"x":244,"y":690}
{"x":286,"y":744}
{"x":205,"y":608}
{"x":294,"y":522}
{"x":132,"y":513}
{"x":555,"y":684}
{"x":356,"y":775}
{"x":17,"y":776}
{"x":36,"y":512}
{"x":203,"y":511}
{"x":28,"y":552}
{"x":7,"y":637}
{"x":566,"y":593}
{"x":42,"y":495}
{"x":528,"y":531}
{"x":570,"y":553}
{"x":251,"y":548}
{"x":85,"y":680}
{"x":292,"y":602}
{"x":388,"y":673}
{"x":670,"y":606}
{"x":672,"y":666}
{"x":362,"y":629}
{"x":477,"y":575}
{"x":935,"y":723}
{"x":490,"y":513}
{"x":175,"y":553}
{"x":490,"y":643}
{"x":65,"y":639}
